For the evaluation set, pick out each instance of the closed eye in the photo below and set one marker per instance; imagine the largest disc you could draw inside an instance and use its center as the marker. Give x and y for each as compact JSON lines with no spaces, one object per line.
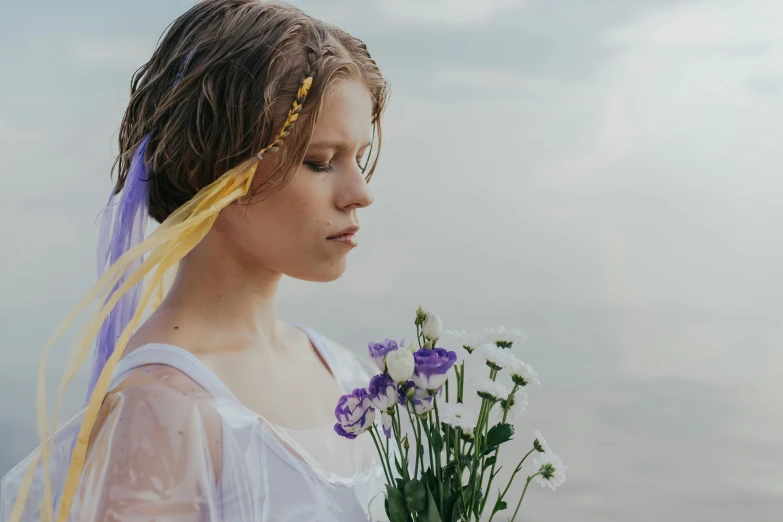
{"x":323,"y":168}
{"x":320,"y":167}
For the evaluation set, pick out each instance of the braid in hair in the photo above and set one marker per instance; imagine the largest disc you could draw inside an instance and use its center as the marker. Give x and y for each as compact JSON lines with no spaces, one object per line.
{"x":313,"y":56}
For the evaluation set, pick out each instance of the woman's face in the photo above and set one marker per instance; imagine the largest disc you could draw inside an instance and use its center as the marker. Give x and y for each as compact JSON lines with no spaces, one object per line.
{"x":290,"y":232}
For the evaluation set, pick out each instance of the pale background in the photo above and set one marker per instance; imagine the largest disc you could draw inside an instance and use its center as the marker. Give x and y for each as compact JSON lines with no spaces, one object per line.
{"x":602,"y":174}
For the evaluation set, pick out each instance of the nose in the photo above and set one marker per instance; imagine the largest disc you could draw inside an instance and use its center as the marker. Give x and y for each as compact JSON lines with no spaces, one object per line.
{"x":355,"y":192}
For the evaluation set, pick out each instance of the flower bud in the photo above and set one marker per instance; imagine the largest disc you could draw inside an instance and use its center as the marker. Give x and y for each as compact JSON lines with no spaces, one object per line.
{"x":427,"y":344}
{"x":405,"y":443}
{"x":432,"y":328}
{"x":420,"y":315}
{"x":400,"y":365}
{"x":379,"y":350}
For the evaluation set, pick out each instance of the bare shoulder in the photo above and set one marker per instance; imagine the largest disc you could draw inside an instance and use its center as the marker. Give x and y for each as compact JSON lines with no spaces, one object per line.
{"x":160,"y":406}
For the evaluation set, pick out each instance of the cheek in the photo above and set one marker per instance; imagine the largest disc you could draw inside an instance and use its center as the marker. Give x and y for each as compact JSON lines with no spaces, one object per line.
{"x":286,"y":225}
{"x":298,"y":213}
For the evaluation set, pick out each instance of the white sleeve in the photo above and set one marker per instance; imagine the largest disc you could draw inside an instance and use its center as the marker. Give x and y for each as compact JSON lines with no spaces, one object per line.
{"x":154,"y":452}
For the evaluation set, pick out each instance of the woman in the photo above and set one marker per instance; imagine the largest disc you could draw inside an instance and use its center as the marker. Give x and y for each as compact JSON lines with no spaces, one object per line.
{"x":248,"y":137}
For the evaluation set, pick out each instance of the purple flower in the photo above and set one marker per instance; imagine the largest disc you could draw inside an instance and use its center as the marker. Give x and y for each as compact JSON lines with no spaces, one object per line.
{"x":408,"y":387}
{"x":354,"y":414}
{"x":420,"y":399}
{"x":379,"y":350}
{"x":382,"y":392}
{"x":425,"y":405}
{"x":386,"y":421}
{"x":432,"y":367}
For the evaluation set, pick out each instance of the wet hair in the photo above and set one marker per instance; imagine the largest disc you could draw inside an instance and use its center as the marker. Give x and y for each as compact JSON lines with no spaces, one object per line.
{"x":218,"y":88}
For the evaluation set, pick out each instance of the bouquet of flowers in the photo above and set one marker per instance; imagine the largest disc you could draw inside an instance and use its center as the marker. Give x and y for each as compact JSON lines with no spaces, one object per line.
{"x":439,"y":457}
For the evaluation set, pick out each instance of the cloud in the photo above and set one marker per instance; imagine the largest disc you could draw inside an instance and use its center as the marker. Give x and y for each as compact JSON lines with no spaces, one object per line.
{"x":590,"y":172}
{"x":445,"y":12}
{"x":115,"y":51}
{"x":494,"y":81}
{"x":702,"y":24}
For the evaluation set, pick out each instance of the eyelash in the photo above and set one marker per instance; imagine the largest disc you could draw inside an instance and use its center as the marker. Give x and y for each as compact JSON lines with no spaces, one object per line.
{"x":328,"y":167}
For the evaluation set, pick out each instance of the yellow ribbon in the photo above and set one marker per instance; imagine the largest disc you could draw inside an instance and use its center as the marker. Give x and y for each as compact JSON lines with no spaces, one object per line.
{"x":172,"y":240}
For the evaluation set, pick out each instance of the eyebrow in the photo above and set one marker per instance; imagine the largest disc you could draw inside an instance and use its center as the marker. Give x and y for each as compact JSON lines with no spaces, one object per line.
{"x":336,"y":145}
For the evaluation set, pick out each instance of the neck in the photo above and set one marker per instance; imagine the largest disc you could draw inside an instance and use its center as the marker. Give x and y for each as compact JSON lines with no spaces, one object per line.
{"x":226,"y":300}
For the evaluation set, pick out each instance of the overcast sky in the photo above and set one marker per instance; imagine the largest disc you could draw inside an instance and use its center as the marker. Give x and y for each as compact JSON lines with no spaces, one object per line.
{"x":602,"y":174}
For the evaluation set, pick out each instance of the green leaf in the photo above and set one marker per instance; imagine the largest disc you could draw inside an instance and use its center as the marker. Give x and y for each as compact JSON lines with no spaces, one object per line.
{"x":397,"y":510}
{"x":415,"y":496}
{"x":428,"y":478}
{"x":460,"y":512}
{"x":449,"y":505}
{"x":443,"y":491}
{"x":497,"y":435}
{"x":474,"y":502}
{"x":398,"y":466}
{"x":431,"y":514}
{"x":489,"y":462}
{"x":499,"y":506}
{"x":437,"y":441}
{"x":451,"y":468}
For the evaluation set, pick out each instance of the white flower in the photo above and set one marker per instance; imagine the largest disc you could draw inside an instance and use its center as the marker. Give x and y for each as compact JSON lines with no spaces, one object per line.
{"x":541,"y":442}
{"x":503,"y":335}
{"x":432,"y":328}
{"x":516,"y":404}
{"x":551,"y":470}
{"x":400,"y":365}
{"x":495,"y":357}
{"x":463,"y":339}
{"x":489,"y":389}
{"x":521,"y":372}
{"x":458,"y":415}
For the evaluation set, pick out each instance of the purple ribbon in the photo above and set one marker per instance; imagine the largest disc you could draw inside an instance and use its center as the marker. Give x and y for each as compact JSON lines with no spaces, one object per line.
{"x":120,"y":231}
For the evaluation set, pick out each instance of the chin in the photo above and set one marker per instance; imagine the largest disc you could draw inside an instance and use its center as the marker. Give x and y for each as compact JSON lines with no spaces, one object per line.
{"x":323,"y":273}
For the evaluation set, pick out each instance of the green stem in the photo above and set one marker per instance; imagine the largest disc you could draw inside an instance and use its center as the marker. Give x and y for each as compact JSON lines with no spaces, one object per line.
{"x":510,"y":480}
{"x":416,"y":436}
{"x":387,"y":448}
{"x":485,"y":429}
{"x":461,"y":390}
{"x":476,"y":451}
{"x":419,"y":424}
{"x":439,"y":455}
{"x":397,"y":435}
{"x":384,"y":458}
{"x":497,"y":450}
{"x":523,"y":495}
{"x":458,"y":435}
{"x":437,"y":427}
{"x":447,"y":433}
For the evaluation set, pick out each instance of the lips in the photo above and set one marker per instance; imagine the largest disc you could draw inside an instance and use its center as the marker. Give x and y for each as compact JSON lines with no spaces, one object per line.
{"x":345,"y":232}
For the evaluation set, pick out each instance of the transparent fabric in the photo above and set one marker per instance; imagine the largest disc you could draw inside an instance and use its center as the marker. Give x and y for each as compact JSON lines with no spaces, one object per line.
{"x":173,"y":443}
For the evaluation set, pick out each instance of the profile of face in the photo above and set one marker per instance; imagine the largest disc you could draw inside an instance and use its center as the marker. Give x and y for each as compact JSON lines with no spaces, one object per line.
{"x":290,"y":232}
